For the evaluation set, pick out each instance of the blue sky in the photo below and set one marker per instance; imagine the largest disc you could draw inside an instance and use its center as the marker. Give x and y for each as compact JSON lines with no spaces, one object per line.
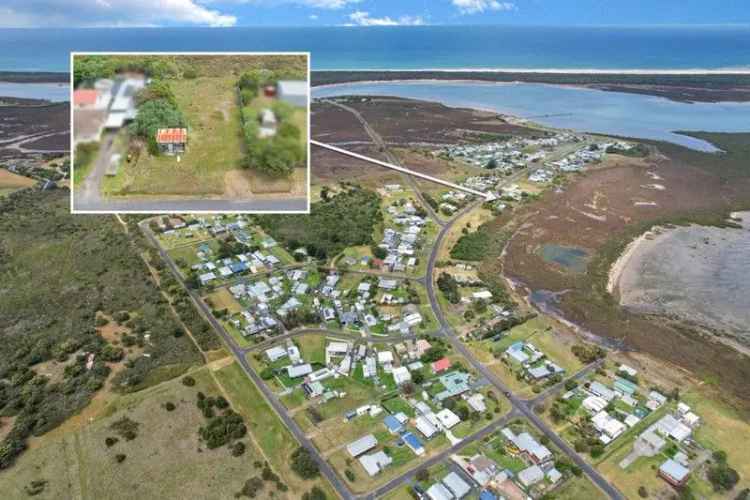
{"x":86,"y":13}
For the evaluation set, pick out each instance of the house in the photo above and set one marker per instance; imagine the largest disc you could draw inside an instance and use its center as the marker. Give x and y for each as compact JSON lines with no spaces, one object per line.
{"x":598,"y":389}
{"x":375,"y":462}
{"x":456,"y":485}
{"x":439,"y":492}
{"x":413,"y":443}
{"x":448,"y":419}
{"x":594,"y":404}
{"x":456,"y":383}
{"x":425,"y":427}
{"x":392,"y":424}
{"x":515,"y":351}
{"x":674,"y":473}
{"x":670,"y":426}
{"x":482,"y":295}
{"x":553,"y":475}
{"x":293,"y":91}
{"x":441,"y":365}
{"x":401,"y":375}
{"x":476,"y":402}
{"x":361,"y":445}
{"x":299,"y":370}
{"x":171,"y":141}
{"x":609,"y":426}
{"x":275,"y":353}
{"x":313,"y":389}
{"x":84,"y":98}
{"x":530,"y":476}
{"x":526,"y":444}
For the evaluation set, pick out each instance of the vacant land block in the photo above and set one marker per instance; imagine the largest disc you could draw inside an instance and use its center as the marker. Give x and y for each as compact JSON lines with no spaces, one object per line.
{"x":215,"y":145}
{"x":165,"y":459}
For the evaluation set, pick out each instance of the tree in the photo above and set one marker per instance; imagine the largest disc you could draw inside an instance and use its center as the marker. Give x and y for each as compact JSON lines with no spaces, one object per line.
{"x":422,"y":475}
{"x":155,"y":114}
{"x":722,"y":477}
{"x":304,"y":464}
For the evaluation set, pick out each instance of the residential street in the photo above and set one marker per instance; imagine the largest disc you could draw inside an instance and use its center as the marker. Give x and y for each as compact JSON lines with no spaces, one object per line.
{"x":520,"y":407}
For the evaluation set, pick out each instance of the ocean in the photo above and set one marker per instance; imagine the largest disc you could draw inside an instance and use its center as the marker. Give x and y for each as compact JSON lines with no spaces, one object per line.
{"x":418,"y":47}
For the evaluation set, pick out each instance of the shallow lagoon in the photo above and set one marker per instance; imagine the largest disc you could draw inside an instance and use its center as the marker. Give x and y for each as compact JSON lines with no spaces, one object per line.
{"x":57,"y":92}
{"x":580,"y":109}
{"x":571,"y":258}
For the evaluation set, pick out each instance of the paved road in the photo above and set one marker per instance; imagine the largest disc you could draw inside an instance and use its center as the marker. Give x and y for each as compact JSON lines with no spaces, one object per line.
{"x":518,"y":403}
{"x":196,"y":205}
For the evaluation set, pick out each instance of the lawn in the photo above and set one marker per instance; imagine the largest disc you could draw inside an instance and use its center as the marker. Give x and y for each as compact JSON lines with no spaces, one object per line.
{"x":272,"y":436}
{"x":186,"y":256}
{"x":214,"y":144}
{"x":578,"y":488}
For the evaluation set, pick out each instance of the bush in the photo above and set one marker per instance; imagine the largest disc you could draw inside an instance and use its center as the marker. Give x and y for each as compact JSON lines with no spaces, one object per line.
{"x":188,"y":381}
{"x":642,"y":492}
{"x":120,"y":457}
{"x":722,"y":477}
{"x":350,"y":475}
{"x":169,"y":406}
{"x":110,"y":441}
{"x":238,"y":449}
{"x":315,"y":494}
{"x":190,"y":74}
{"x":304,"y":464}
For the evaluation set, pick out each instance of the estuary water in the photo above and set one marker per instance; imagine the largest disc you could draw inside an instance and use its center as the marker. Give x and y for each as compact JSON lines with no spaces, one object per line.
{"x":575,"y":108}
{"x":56,"y":92}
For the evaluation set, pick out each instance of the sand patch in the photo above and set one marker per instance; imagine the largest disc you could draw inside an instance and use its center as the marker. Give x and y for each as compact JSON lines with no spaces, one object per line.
{"x":11,"y":180}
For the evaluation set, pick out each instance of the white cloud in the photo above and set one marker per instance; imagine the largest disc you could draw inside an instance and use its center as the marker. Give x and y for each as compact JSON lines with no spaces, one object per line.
{"x":314,"y":4}
{"x":78,"y":13}
{"x":478,"y":6}
{"x":360,"y":18}
{"x":326,"y":4}
{"x":313,"y":17}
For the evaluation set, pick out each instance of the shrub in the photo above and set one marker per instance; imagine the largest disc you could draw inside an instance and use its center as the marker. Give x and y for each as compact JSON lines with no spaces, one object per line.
{"x":188,"y":381}
{"x":642,"y":492}
{"x":304,"y":464}
{"x":120,"y":457}
{"x":238,"y":449}
{"x":110,"y":441}
{"x":169,"y":406}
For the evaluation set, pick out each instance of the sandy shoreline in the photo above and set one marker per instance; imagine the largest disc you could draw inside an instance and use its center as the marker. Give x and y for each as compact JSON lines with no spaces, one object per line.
{"x":615,"y":272}
{"x":556,"y":71}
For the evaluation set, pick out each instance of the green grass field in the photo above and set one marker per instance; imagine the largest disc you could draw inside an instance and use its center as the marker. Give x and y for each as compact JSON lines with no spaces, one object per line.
{"x":274,"y":439}
{"x":214,"y":145}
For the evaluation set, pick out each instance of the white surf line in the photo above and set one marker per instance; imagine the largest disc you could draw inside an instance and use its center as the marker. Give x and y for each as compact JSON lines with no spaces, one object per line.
{"x":487,"y":196}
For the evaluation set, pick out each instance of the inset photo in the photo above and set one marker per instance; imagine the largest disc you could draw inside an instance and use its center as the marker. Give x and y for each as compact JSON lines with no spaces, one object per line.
{"x":190,"y":132}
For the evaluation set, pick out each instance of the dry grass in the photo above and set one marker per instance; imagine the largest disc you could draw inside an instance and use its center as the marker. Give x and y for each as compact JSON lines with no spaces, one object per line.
{"x":165,"y":460}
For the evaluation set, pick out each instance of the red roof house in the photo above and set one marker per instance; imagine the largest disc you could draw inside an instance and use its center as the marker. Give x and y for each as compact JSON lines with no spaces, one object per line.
{"x":171,"y":140}
{"x":85,"y":98}
{"x":441,"y":365}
